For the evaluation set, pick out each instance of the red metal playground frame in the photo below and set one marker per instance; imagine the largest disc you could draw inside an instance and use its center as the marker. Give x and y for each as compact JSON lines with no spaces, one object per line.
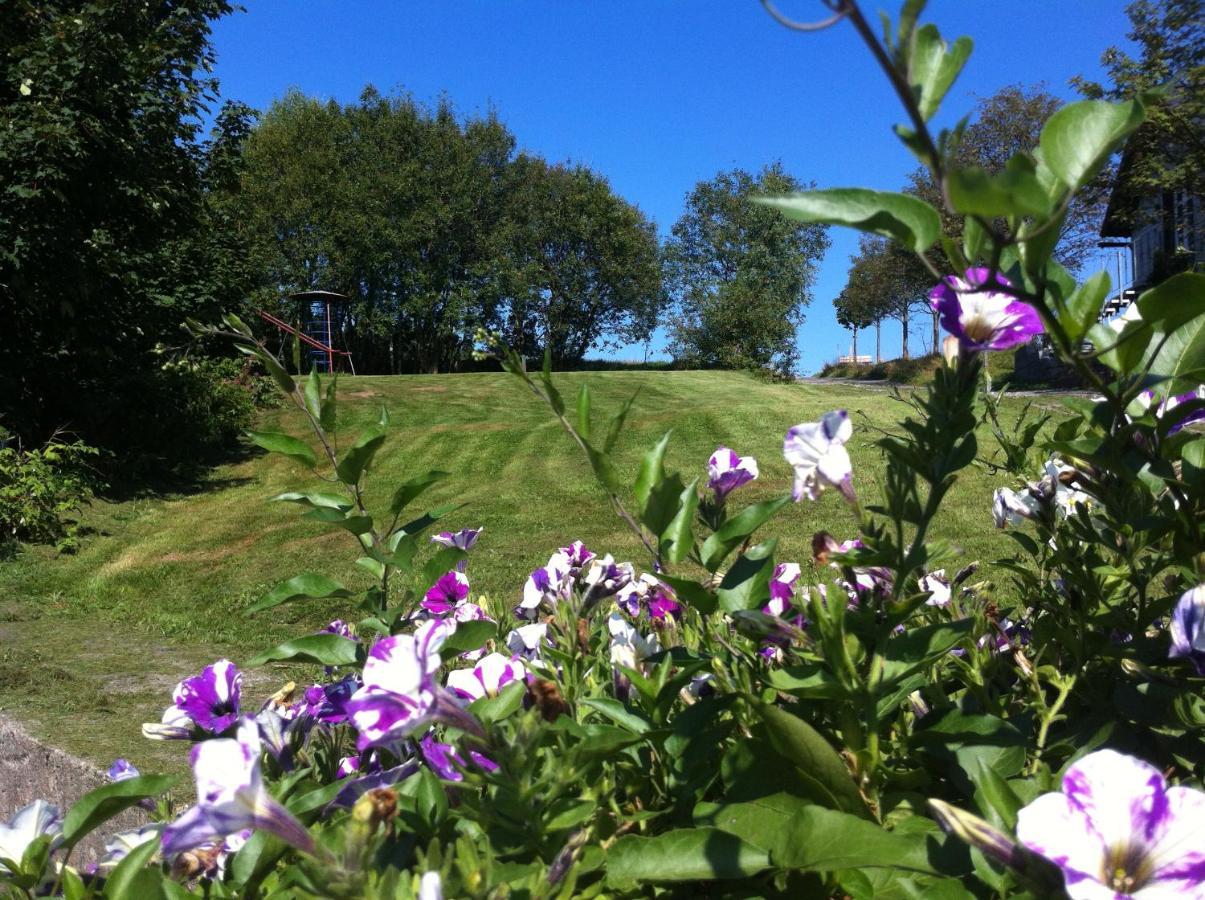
{"x":330,"y":351}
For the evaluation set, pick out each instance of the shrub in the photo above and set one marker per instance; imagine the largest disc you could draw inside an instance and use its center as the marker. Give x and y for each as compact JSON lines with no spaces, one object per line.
{"x":41,"y":489}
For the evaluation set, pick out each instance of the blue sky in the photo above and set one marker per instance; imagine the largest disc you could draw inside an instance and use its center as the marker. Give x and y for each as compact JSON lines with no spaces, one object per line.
{"x":659,"y":94}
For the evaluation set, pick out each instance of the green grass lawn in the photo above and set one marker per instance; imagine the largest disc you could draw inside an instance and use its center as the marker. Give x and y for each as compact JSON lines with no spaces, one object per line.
{"x":91,"y":644}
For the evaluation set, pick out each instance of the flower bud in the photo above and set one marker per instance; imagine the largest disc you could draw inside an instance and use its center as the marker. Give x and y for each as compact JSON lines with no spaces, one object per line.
{"x":972,"y":830}
{"x":949,"y":350}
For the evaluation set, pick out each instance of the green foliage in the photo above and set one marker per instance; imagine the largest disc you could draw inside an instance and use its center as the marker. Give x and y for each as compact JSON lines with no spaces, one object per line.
{"x":739,"y":275}
{"x":41,"y":489}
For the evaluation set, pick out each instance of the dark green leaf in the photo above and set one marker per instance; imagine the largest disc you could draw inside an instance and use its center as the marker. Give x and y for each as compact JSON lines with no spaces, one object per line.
{"x":411,"y":489}
{"x":324,"y":649}
{"x":1084,"y":305}
{"x":652,"y":471}
{"x":494,"y":709}
{"x":312,"y":395}
{"x":286,"y":445}
{"x":678,"y":538}
{"x":682,"y":855}
{"x":468,"y":636}
{"x":131,"y":879}
{"x":692,"y":592}
{"x":912,"y":222}
{"x":917,"y":647}
{"x":717,"y":547}
{"x":747,"y":584}
{"x":316,"y":500}
{"x":932,"y":69}
{"x":99,"y":805}
{"x":583,"y":411}
{"x":300,"y":587}
{"x":616,"y":426}
{"x":1014,"y":192}
{"x":619,"y":714}
{"x":813,"y":758}
{"x":359,"y":457}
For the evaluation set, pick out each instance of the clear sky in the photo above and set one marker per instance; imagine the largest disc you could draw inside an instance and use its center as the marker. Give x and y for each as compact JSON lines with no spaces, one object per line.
{"x":659,"y":94}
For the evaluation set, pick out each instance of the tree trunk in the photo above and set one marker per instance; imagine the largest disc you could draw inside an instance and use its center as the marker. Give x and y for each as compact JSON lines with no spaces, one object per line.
{"x":904,"y":328}
{"x":936,"y":348}
{"x":878,"y":343}
{"x":855,"y":348}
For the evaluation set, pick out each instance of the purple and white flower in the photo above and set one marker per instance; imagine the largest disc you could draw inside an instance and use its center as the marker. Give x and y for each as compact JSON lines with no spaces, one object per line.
{"x":604,"y":577}
{"x":937,"y":586}
{"x":175,"y":725}
{"x":211,"y":699}
{"x":118,"y":846}
{"x":461,"y":540}
{"x":231,"y":797}
{"x":29,"y":824}
{"x":487,"y":678}
{"x":327,"y":703}
{"x":816,"y":450}
{"x":400,"y":694}
{"x":1187,"y":628}
{"x":1011,"y":507}
{"x":1118,"y":830}
{"x":548,"y":584}
{"x":982,"y":317}
{"x":122,"y":770}
{"x":726,"y":471}
{"x":648,"y":594}
{"x":782,"y":588}
{"x":1148,"y":398}
{"x":450,"y":590}
{"x":628,"y":648}
{"x":446,"y":762}
{"x":341,"y":628}
{"x":527,"y":641}
{"x":575,"y":556}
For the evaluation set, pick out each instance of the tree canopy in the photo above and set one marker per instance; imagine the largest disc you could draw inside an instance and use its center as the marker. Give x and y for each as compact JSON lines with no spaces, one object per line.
{"x":740,"y":274}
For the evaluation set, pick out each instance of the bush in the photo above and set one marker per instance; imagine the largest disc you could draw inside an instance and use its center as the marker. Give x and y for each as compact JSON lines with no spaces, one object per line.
{"x":41,"y":489}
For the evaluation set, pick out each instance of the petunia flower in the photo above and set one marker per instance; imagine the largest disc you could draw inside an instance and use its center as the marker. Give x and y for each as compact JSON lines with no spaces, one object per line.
{"x":1187,"y":628}
{"x":118,"y":846}
{"x":487,"y":678}
{"x":548,"y":584}
{"x":979,"y":315}
{"x":782,"y":588}
{"x":1117,"y":830}
{"x":231,"y":796}
{"x":400,"y":694}
{"x":175,"y":725}
{"x":341,"y":628}
{"x":122,"y":770}
{"x":628,"y":648}
{"x":726,"y":471}
{"x":430,"y":887}
{"x":1147,"y":399}
{"x":527,"y":641}
{"x":29,"y":824}
{"x":461,"y":540}
{"x":1011,"y":507}
{"x":604,"y":577}
{"x":446,"y":762}
{"x":816,"y":450}
{"x":937,"y":586}
{"x":211,"y":699}
{"x":449,"y":590}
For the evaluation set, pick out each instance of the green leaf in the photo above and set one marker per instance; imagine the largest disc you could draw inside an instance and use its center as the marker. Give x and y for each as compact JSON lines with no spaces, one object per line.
{"x":912,"y":222}
{"x":131,"y":879}
{"x":411,"y":489}
{"x":932,"y":69}
{"x":355,"y":524}
{"x":360,"y":456}
{"x":1084,"y":305}
{"x":468,"y":636}
{"x":328,"y":418}
{"x":103,"y":803}
{"x":1176,"y":313}
{"x":494,"y":709}
{"x":554,"y":396}
{"x":1014,"y":192}
{"x":685,"y":854}
{"x":1079,"y":138}
{"x":583,"y":411}
{"x":282,"y":378}
{"x":616,"y":426}
{"x":692,"y":592}
{"x":312,"y":395}
{"x":747,"y":584}
{"x":810,"y":682}
{"x":814,"y":759}
{"x":323,"y":649}
{"x":717,"y":547}
{"x":604,"y":471}
{"x":299,"y":587}
{"x":316,"y":500}
{"x":286,"y":445}
{"x":917,"y":647}
{"x":618,"y":713}
{"x":652,"y":471}
{"x":678,"y":537}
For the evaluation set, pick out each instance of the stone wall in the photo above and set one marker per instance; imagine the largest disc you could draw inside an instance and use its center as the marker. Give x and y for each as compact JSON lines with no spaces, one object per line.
{"x":31,"y":770}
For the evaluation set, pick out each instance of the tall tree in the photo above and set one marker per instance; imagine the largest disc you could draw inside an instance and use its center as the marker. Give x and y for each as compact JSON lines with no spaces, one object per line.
{"x":1004,"y":124}
{"x":582,"y":269}
{"x":1167,"y":152}
{"x":739,"y":273}
{"x":885,"y":282}
{"x":102,"y":181}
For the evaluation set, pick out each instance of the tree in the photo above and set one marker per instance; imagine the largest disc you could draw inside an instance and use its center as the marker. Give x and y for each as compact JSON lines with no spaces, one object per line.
{"x":1167,"y":151}
{"x":885,"y":282}
{"x":582,"y":268}
{"x":739,"y":273}
{"x":1004,"y":124}
{"x":102,"y":186}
